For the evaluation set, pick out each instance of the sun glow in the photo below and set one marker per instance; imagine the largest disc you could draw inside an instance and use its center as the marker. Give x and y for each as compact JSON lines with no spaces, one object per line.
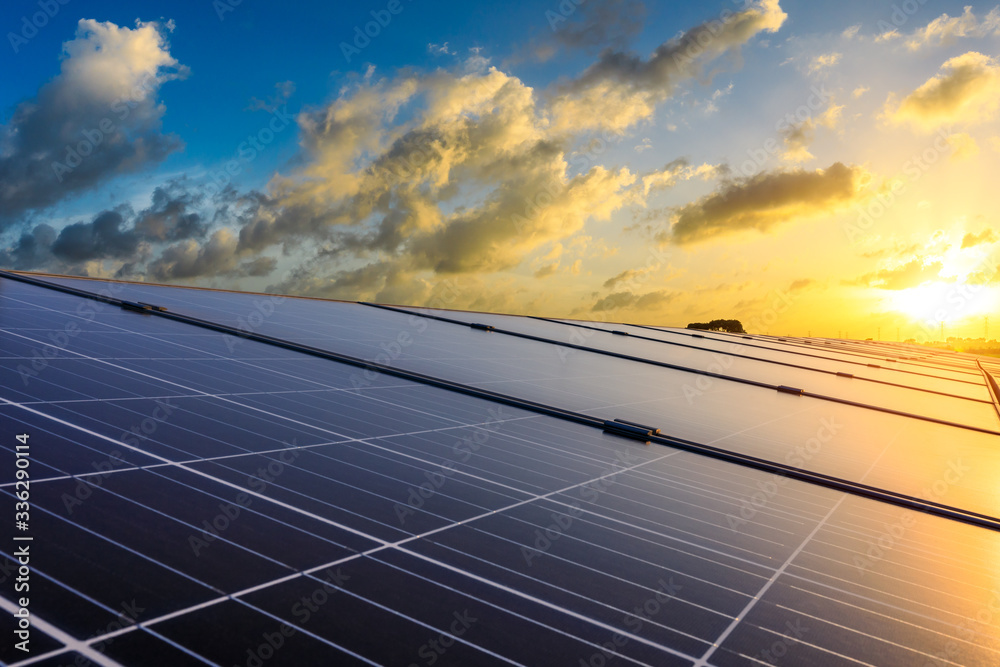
{"x":948,"y":302}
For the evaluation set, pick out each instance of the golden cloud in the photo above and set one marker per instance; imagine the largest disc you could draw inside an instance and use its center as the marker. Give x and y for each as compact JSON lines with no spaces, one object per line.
{"x":971,"y":240}
{"x":824,"y":61}
{"x":912,"y":274}
{"x":766,"y":200}
{"x":798,"y":137}
{"x":945,"y":29}
{"x":967,"y":91}
{"x":629,"y":300}
{"x":473,"y":181}
{"x":963,"y":146}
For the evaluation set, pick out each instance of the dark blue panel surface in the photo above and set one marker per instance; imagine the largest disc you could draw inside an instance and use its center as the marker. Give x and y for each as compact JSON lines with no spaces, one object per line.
{"x":454,"y":530}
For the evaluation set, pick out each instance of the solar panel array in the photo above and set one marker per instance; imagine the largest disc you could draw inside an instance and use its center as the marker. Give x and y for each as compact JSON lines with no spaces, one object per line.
{"x":245,"y":480}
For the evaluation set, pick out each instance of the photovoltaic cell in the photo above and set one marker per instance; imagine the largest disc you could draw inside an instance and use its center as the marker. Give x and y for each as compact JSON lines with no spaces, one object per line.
{"x":299,"y":511}
{"x":867,"y":446}
{"x":820,"y":358}
{"x":977,"y":413}
{"x":865,"y":352}
{"x":144,"y":648}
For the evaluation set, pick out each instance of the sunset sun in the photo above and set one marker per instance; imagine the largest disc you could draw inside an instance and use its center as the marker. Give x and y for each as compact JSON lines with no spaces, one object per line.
{"x":944,"y":302}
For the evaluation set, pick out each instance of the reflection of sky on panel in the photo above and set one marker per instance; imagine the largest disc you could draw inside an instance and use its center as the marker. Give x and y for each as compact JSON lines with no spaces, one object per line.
{"x":903,"y":399}
{"x":864,"y":578}
{"x":924,"y":378}
{"x":900,"y":454}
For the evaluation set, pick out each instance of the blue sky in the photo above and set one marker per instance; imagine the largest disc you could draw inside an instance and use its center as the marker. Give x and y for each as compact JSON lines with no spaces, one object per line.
{"x":643,"y":158}
{"x":256,"y":45}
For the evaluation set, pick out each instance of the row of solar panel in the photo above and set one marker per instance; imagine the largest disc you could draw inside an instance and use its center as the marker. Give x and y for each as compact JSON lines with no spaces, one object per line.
{"x":442,"y":520}
{"x":239,"y":308}
{"x":871,"y":446}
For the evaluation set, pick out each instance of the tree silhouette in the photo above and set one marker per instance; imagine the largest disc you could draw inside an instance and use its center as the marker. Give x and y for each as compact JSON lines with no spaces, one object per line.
{"x":730,"y":326}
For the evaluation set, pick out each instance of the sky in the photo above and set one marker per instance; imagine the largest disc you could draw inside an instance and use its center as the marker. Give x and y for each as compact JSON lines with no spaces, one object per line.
{"x":809,"y":168}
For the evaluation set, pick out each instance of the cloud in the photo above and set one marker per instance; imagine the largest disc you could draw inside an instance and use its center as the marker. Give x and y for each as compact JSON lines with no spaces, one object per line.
{"x":666,"y":177}
{"x":471,"y":181}
{"x":187,"y":259}
{"x":476,"y":63}
{"x":963,"y":146}
{"x":967,"y":91}
{"x":622,"y":300}
{"x":555,"y":253}
{"x":102,"y":238}
{"x":439,"y":49}
{"x":851,"y":32}
{"x":912,"y":274}
{"x":988,"y":275}
{"x":797,"y":137}
{"x":496,"y":235}
{"x":98,"y":118}
{"x":859,"y":91}
{"x":117,"y":234}
{"x":765,"y":200}
{"x":971,"y":240}
{"x":32,"y":250}
{"x":547,"y":270}
{"x":801,"y":284}
{"x":710,"y":106}
{"x":595,"y":25}
{"x":898,"y":249}
{"x":631,"y":278}
{"x":644,"y":146}
{"x":678,"y":170}
{"x":282,"y":91}
{"x":945,"y":30}
{"x":258,"y":266}
{"x":172,"y":216}
{"x":406,"y":182}
{"x":621,"y":89}
{"x":625,"y":276}
{"x":824,"y":61}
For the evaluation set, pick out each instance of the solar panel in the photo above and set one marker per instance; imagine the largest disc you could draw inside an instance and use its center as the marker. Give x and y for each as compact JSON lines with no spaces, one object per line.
{"x":873,"y":447}
{"x":201,"y":498}
{"x":733,"y":361}
{"x":922,"y":378}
